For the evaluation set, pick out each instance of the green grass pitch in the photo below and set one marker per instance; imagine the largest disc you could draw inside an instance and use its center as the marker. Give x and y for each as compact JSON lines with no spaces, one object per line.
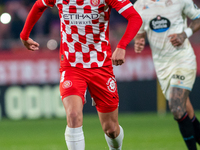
{"x":143,"y":131}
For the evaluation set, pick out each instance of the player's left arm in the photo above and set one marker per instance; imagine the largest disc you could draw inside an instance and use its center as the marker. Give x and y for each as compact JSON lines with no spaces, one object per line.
{"x":193,"y":12}
{"x":195,"y":25}
{"x":126,"y":9}
{"x":178,"y":39}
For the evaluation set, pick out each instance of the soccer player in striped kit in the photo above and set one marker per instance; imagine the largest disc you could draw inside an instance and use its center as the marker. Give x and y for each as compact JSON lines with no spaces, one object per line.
{"x":165,"y":24}
{"x":86,"y":61}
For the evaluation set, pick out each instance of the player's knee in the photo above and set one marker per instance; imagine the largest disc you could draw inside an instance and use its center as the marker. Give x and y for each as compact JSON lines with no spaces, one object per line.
{"x":178,"y":112}
{"x":74,"y":119}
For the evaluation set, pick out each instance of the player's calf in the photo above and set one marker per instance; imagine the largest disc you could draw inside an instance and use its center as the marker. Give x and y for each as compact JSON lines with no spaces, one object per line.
{"x":187,"y":131}
{"x":74,"y":138}
{"x":196,"y":126}
{"x":116,"y":143}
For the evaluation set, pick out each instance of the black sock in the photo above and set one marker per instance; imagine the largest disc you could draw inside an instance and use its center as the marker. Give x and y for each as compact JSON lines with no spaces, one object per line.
{"x":196,"y":126}
{"x":187,"y":131}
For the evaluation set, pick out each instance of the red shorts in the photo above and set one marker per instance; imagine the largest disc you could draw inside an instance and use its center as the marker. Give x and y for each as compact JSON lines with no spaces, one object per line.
{"x":100,"y":82}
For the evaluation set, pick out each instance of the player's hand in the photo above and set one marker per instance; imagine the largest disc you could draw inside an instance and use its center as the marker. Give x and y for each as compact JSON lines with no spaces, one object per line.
{"x":177,"y":39}
{"x":30,"y":44}
{"x":139,"y":45}
{"x":118,"y":56}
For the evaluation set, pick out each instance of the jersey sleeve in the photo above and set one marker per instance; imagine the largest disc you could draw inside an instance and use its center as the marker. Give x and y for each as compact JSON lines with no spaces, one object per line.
{"x":141,"y":30}
{"x":139,"y":7}
{"x":190,"y":9}
{"x":33,"y":16}
{"x":125,"y":8}
{"x":119,"y":5}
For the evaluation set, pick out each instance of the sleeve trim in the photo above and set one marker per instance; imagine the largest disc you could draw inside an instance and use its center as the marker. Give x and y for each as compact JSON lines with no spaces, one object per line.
{"x":124,"y":8}
{"x":196,"y":17}
{"x":44,"y":3}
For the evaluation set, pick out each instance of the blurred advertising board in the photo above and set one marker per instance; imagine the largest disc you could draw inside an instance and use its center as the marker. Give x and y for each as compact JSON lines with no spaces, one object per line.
{"x":31,"y":101}
{"x":29,"y":85}
{"x":29,"y":81}
{"x":136,"y":67}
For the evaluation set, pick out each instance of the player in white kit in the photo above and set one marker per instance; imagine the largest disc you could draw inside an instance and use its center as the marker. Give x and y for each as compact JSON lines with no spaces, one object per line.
{"x":165,"y":24}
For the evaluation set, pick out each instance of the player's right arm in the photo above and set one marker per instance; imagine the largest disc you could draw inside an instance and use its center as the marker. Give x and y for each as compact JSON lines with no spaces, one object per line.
{"x":36,"y":12}
{"x":126,"y":9}
{"x":139,"y":42}
{"x":30,"y":44}
{"x":195,"y":25}
{"x":193,"y":12}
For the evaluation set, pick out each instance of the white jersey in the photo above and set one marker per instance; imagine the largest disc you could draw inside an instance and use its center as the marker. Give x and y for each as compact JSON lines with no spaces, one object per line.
{"x":160,"y":19}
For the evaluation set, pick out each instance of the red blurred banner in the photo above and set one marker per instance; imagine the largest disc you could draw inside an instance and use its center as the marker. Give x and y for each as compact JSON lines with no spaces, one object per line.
{"x":136,"y":67}
{"x":197,"y":53}
{"x":27,"y":67}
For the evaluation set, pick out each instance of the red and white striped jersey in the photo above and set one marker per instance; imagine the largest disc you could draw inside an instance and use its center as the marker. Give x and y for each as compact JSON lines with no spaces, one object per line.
{"x":84,"y":28}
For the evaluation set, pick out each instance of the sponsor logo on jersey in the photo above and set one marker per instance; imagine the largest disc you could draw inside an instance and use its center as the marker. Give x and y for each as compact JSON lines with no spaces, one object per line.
{"x":145,"y":7}
{"x":67,"y":84}
{"x":81,"y":18}
{"x":176,"y":76}
{"x":180,"y":82}
{"x":62,"y":57}
{"x":111,"y":84}
{"x":95,"y":2}
{"x":159,"y":24}
{"x":66,"y":2}
{"x":78,"y":17}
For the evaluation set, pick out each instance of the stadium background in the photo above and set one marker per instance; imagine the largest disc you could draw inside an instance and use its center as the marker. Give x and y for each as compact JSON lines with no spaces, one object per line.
{"x":29,"y":80}
{"x":31,"y":113}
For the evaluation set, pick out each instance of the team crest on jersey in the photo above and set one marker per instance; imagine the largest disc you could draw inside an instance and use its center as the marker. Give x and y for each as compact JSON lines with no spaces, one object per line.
{"x":168,"y":2}
{"x":67,"y":84}
{"x":111,"y":84}
{"x":159,"y":24}
{"x":94,"y":2}
{"x":66,"y":2}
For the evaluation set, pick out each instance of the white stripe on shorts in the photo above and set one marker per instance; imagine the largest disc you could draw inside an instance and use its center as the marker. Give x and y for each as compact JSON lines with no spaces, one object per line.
{"x":62,"y":76}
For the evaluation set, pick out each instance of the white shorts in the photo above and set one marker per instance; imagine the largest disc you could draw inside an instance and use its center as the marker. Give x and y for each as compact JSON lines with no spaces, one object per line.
{"x":180,"y":78}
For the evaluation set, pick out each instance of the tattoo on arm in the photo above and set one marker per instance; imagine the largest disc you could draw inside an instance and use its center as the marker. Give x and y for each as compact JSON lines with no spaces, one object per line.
{"x":177,"y":102}
{"x":181,"y":37}
{"x":195,"y":25}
